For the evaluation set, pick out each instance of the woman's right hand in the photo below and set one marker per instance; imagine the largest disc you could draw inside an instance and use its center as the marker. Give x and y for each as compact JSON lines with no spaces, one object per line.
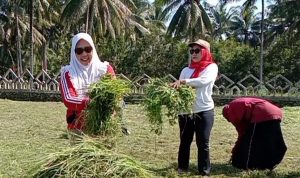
{"x":177,"y":83}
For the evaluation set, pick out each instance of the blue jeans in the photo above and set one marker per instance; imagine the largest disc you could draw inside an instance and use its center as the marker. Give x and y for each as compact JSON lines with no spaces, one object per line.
{"x":201,"y":123}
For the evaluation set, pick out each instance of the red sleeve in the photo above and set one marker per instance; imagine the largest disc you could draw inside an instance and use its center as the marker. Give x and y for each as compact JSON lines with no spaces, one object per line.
{"x":69,"y":94}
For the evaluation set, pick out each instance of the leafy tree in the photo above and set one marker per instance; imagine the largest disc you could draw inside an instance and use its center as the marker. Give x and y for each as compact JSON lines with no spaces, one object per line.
{"x":283,"y":58}
{"x":284,"y":17}
{"x":151,"y":16}
{"x":222,"y":19}
{"x":112,"y":17}
{"x":235,"y":60}
{"x":15,"y":34}
{"x":154,"y":55}
{"x":190,"y":20}
{"x":245,"y":27}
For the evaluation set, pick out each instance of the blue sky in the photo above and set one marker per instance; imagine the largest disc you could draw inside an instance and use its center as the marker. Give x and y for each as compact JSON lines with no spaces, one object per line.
{"x":214,"y":2}
{"x":258,"y":3}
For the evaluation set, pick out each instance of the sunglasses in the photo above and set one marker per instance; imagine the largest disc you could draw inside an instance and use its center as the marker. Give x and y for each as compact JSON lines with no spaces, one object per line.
{"x":87,"y":49}
{"x":195,"y":51}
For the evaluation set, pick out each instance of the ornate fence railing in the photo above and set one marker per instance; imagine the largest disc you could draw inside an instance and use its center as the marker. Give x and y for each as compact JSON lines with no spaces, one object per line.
{"x":278,"y":86}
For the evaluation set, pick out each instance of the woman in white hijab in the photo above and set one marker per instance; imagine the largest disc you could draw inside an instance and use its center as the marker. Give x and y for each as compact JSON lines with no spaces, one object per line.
{"x":85,"y":68}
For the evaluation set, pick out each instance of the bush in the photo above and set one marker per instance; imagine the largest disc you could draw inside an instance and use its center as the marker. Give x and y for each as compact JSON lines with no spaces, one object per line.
{"x":236,"y":60}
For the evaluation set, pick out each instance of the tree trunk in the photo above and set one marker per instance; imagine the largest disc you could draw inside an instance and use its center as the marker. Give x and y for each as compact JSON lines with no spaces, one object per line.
{"x":31,"y":36}
{"x":45,"y":61}
{"x":19,"y":60}
{"x":91,"y":17}
{"x":87,"y":20}
{"x":262,"y":41}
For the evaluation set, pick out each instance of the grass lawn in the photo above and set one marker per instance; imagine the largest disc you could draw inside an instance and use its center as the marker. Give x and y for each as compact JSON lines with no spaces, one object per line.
{"x":31,"y":130}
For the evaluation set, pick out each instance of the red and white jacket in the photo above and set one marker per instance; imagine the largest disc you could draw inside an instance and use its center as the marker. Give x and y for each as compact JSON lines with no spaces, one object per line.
{"x":74,"y":100}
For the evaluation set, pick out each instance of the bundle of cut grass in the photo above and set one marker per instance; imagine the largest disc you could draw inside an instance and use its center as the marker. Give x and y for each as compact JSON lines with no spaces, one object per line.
{"x":105,"y":96}
{"x":158,"y":93}
{"x":89,"y":159}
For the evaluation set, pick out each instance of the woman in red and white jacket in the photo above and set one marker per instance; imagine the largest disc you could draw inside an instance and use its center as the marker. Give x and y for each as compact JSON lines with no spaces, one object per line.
{"x":85,"y":68}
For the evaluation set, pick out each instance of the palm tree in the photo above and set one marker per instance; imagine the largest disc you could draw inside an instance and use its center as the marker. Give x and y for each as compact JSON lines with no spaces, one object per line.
{"x":247,"y":4}
{"x":222,"y":18}
{"x":15,"y":32}
{"x":46,"y":13}
{"x":284,"y":17}
{"x":6,"y":58}
{"x":244,"y":26}
{"x":113,"y":17}
{"x":31,"y":35}
{"x":190,"y":20}
{"x":150,"y":15}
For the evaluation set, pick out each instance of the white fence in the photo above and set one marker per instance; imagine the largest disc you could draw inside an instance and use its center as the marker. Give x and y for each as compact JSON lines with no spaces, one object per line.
{"x":249,"y":85}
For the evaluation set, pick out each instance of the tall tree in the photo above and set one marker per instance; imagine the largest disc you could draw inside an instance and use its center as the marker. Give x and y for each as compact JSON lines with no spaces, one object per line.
{"x":190,"y":20}
{"x":222,"y":18}
{"x":284,"y":17}
{"x":150,"y":15}
{"x":248,"y":4}
{"x":244,"y":26}
{"x":113,"y":17}
{"x":15,"y":32}
{"x":31,"y":35}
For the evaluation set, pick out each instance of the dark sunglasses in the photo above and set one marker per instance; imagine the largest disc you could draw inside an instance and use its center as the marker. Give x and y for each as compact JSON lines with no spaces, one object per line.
{"x":195,"y":51}
{"x":87,"y":49}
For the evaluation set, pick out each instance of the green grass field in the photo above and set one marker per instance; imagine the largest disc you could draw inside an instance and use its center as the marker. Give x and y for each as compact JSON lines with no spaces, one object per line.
{"x":31,"y":130}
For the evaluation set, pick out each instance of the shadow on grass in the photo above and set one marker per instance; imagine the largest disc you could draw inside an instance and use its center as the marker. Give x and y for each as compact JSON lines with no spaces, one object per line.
{"x":292,"y":175}
{"x":220,"y":170}
{"x":225,"y":169}
{"x":217,"y":169}
{"x":64,"y":136}
{"x":273,"y":174}
{"x":165,"y":171}
{"x":230,"y":171}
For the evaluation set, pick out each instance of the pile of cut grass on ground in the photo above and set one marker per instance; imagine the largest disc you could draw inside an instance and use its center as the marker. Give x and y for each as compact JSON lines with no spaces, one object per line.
{"x":90,"y":158}
{"x":31,"y":130}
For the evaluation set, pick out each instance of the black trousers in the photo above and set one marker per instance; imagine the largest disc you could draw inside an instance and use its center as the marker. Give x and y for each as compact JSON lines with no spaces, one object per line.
{"x":262,"y":147}
{"x":200,"y":123}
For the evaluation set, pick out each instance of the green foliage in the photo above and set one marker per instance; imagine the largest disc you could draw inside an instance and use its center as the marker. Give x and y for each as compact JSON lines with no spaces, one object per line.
{"x":155,"y":55}
{"x":236,"y":60}
{"x":158,"y":93}
{"x":283,"y":58}
{"x":59,"y":53}
{"x":105,"y":96}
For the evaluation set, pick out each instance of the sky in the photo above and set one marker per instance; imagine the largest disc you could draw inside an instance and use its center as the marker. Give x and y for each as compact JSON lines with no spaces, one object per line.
{"x":258,"y":3}
{"x":214,"y":2}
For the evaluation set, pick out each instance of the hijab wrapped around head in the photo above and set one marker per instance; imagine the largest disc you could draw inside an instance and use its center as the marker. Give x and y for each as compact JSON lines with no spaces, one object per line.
{"x":206,"y":59}
{"x":82,"y":76}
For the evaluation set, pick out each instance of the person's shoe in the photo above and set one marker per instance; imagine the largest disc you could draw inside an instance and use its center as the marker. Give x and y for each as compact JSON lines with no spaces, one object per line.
{"x":204,"y":174}
{"x":181,"y":171}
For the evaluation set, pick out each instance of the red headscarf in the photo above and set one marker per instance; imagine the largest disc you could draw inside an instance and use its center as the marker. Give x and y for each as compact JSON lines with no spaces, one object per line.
{"x":206,"y":59}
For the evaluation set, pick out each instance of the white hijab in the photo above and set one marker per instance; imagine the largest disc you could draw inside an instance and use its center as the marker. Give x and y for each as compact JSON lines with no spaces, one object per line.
{"x":82,"y":76}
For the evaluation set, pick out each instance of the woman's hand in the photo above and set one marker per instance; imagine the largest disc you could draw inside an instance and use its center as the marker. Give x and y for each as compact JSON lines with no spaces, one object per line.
{"x":177,"y":83}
